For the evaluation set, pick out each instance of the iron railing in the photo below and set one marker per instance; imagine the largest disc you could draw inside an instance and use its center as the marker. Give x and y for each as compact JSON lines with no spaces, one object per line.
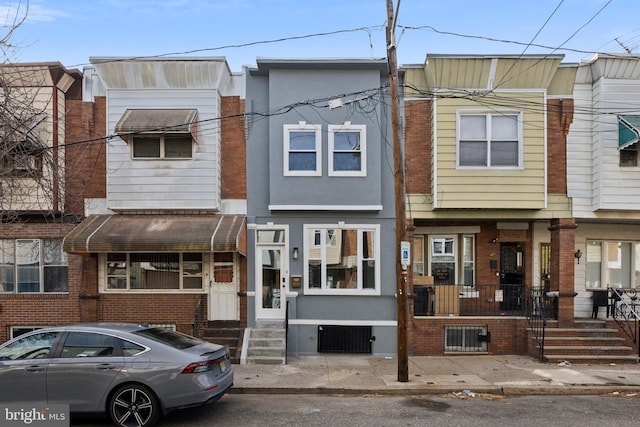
{"x":477,"y":300}
{"x":624,"y":305}
{"x":286,"y":333}
{"x":538,"y":305}
{"x":198,"y":316}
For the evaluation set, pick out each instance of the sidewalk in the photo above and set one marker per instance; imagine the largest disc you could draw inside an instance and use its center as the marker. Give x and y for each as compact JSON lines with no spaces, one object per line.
{"x":466,"y":375}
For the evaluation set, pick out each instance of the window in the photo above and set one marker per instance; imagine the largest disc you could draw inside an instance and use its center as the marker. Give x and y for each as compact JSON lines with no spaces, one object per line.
{"x":341,"y":259}
{"x":19,"y":163}
{"x":443,"y":260}
{"x":33,"y":265}
{"x":489,"y":140}
{"x":347,"y":150}
{"x":154,"y":271}
{"x":418,"y":255}
{"x":302,"y":150}
{"x":88,"y":344}
{"x":468,"y":338}
{"x":166,"y":146}
{"x":628,"y":137}
{"x":612,"y":264}
{"x":34,"y":346}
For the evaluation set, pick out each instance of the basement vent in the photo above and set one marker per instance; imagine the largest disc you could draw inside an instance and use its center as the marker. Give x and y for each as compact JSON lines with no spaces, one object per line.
{"x":344,"y":339}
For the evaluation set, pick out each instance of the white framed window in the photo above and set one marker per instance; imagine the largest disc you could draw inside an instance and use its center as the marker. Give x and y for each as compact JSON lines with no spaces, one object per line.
{"x":302,"y":150}
{"x":489,"y":140}
{"x":465,"y":338}
{"x":162,"y":146}
{"x":33,"y":266}
{"x":418,"y":255}
{"x":614,"y":264}
{"x":342,"y":259}
{"x":451,"y":258}
{"x":347,"y":150}
{"x":153,"y":271}
{"x":442,"y":259}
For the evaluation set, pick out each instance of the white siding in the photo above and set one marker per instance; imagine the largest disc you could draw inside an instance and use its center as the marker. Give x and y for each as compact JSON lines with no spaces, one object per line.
{"x":165,"y":184}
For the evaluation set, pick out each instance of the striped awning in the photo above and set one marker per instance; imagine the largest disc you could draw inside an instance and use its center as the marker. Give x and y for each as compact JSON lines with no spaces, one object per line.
{"x":628,"y":131}
{"x":158,"y":233}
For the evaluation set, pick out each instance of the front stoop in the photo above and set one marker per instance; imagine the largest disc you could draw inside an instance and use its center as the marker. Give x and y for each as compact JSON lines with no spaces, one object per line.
{"x":226,"y":332}
{"x":589,"y":341}
{"x":267,"y":344}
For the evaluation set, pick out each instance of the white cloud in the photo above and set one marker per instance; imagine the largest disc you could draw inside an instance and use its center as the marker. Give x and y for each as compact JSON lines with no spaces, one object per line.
{"x":15,"y":11}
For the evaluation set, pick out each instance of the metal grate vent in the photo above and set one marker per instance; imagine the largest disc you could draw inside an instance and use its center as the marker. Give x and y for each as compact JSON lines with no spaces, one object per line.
{"x":344,"y":339}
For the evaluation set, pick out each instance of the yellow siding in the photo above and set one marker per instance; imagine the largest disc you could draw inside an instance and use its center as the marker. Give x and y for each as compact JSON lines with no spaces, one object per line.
{"x":491,"y":188}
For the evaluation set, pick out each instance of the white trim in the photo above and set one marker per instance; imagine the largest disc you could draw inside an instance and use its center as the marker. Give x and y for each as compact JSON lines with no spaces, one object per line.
{"x":315,"y":322}
{"x":471,"y":229}
{"x":492,"y":73}
{"x":301,"y":127}
{"x":489,"y":114}
{"x":434,"y":153}
{"x":348,"y":127}
{"x":325,"y":207}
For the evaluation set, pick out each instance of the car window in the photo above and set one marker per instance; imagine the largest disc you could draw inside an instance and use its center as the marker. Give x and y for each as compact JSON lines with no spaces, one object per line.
{"x":36,"y":346}
{"x":88,"y":344}
{"x":131,"y":349}
{"x":171,"y":338}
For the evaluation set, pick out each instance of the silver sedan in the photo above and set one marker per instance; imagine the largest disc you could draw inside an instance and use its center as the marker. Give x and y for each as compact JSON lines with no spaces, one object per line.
{"x":133,"y":373}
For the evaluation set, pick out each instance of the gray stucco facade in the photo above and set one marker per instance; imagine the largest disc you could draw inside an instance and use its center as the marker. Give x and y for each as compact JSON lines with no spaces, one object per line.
{"x":321,"y":213}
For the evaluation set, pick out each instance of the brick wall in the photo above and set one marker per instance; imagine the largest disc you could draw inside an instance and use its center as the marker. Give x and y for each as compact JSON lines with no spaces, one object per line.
{"x":233,"y":149}
{"x":418,"y":135}
{"x":559,"y":117}
{"x":85,"y":153}
{"x":38,"y":309}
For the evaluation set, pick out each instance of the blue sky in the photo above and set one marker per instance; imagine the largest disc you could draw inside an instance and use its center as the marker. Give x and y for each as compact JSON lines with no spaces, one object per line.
{"x":72,"y":31}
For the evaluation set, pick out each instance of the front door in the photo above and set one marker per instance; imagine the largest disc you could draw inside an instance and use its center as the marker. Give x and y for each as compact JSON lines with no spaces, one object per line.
{"x":223,"y":292}
{"x":512,"y":275}
{"x":271,"y":282}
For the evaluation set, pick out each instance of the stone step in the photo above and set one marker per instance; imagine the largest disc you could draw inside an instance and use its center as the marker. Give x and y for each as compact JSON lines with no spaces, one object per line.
{"x":268,"y":333}
{"x":581,"y":341}
{"x":267,"y":342}
{"x":587,"y":350}
{"x":591,"y":359}
{"x":262,"y":360}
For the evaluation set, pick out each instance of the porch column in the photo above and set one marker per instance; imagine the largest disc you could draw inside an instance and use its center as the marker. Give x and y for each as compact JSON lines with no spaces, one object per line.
{"x":562,"y":267}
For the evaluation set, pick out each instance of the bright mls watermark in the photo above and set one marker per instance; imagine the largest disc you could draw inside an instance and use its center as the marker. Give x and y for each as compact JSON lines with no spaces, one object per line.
{"x":34,"y":415}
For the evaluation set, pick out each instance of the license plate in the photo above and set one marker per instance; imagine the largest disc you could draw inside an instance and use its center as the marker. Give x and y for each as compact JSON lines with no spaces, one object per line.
{"x":223,"y":366}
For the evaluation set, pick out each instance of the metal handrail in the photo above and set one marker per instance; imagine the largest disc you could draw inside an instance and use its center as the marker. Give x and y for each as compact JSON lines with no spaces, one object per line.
{"x":286,"y":333}
{"x":537,"y":320}
{"x":197,"y":316}
{"x":624,"y":310}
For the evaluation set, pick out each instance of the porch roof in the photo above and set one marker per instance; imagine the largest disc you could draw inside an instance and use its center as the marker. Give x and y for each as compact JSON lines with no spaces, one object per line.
{"x":158,"y":233}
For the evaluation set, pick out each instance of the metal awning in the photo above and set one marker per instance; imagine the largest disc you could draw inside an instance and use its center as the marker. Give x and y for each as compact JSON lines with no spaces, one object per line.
{"x":161,"y":121}
{"x":158,"y":233}
{"x":628,"y":131}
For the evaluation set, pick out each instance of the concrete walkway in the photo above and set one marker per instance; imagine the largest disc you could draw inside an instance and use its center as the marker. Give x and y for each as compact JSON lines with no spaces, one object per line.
{"x":465,"y":375}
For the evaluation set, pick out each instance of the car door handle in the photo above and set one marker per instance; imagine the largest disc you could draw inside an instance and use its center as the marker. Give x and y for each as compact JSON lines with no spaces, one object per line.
{"x":105,"y":367}
{"x":34,"y":368}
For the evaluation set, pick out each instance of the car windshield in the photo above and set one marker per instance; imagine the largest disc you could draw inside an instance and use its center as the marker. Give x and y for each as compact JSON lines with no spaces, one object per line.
{"x":171,"y":338}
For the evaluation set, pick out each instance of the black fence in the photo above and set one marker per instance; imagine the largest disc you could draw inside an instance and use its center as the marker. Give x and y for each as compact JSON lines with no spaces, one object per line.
{"x":477,"y":300}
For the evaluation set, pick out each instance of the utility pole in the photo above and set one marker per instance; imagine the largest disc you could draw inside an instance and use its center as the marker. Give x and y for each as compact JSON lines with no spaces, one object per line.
{"x":398,"y":171}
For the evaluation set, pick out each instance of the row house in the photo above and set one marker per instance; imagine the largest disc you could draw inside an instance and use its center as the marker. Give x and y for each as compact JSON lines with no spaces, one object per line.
{"x":320,"y":208}
{"x":487,"y":202}
{"x":603,"y":178}
{"x":38,"y":196}
{"x":165,"y":243}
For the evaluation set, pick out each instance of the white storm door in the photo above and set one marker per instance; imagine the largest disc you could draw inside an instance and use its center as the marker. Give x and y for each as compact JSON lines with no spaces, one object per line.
{"x":271,"y":282}
{"x":223,"y":292}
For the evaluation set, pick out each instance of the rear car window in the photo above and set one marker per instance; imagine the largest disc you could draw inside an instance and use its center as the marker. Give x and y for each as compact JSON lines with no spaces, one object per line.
{"x":171,"y":338}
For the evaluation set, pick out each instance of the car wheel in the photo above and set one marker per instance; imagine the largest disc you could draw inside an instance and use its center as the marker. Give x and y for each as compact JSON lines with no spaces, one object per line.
{"x":134,"y":405}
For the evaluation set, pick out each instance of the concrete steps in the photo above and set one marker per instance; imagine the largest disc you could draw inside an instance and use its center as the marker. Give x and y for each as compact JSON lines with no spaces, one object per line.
{"x":226,"y":332}
{"x":589,"y":341}
{"x":267,"y":344}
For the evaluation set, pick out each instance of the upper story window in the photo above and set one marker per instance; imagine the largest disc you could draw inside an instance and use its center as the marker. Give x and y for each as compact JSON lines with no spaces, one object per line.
{"x":628,"y":137}
{"x":342,"y":259}
{"x":167,"y":146}
{"x":33,"y":266}
{"x":347,"y":150}
{"x":302,"y":150}
{"x":159,"y":134}
{"x":22,"y":146}
{"x":489,"y":140}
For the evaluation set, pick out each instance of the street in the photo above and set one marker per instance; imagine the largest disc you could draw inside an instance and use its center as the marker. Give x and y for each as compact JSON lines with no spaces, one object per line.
{"x":448,"y":410}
